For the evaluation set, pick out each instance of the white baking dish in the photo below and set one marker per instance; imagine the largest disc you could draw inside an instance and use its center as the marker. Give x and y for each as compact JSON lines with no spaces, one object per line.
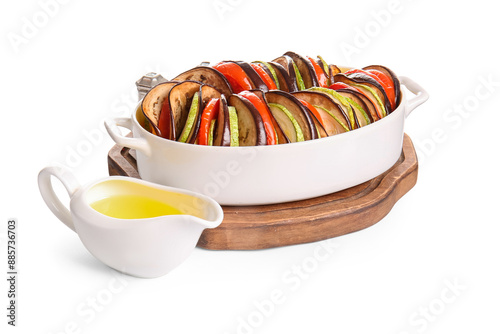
{"x":271,"y":174}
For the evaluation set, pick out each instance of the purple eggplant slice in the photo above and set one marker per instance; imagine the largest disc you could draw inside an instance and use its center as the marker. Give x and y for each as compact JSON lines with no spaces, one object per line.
{"x":282,"y":138}
{"x":257,"y":81}
{"x":208,"y":93}
{"x":362,"y":107}
{"x":207,"y":75}
{"x":297,"y":109}
{"x":393,"y":76}
{"x":319,"y":127}
{"x":285,"y":82}
{"x":364,"y":79}
{"x":222,"y":135}
{"x":324,"y":103}
{"x":250,"y":126}
{"x":291,"y":68}
{"x":374,"y":92}
{"x":180,"y":98}
{"x":152,"y":105}
{"x":305,"y":68}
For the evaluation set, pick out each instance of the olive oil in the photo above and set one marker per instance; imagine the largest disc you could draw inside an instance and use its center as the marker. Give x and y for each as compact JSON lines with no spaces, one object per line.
{"x":133,"y":207}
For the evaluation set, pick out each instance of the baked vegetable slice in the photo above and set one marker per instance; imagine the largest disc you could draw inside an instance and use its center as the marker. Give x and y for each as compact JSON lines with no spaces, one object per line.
{"x":296,"y":82}
{"x":333,"y":115}
{"x":250,"y":125}
{"x":207,"y":75}
{"x":189,"y":133}
{"x":297,"y":109}
{"x":152,"y":105}
{"x":306,"y":70}
{"x":393,"y":76}
{"x":180,"y":98}
{"x":370,"y":87}
{"x":286,"y":83}
{"x":222,"y":135}
{"x":280,"y":135}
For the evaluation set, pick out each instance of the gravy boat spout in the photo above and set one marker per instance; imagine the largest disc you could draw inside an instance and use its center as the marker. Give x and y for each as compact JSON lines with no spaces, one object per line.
{"x":137,"y":227}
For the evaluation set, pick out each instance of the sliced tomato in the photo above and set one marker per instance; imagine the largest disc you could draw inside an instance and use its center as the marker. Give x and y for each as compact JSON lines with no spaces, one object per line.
{"x":209,"y":113}
{"x":313,"y":110}
{"x":342,"y":85}
{"x":235,"y":75}
{"x":264,"y":112}
{"x":264,"y":76}
{"x":388,"y":85}
{"x":320,"y":73}
{"x":383,"y":80}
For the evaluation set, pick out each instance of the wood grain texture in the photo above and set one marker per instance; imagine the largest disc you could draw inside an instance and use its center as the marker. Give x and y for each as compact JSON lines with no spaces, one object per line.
{"x":267,"y":226}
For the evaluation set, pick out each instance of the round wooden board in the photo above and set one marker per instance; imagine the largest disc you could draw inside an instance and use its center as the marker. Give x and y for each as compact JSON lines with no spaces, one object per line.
{"x":267,"y":226}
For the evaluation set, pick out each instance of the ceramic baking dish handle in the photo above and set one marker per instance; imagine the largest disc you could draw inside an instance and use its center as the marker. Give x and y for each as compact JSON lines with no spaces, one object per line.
{"x":415,"y":88}
{"x":139,"y":144}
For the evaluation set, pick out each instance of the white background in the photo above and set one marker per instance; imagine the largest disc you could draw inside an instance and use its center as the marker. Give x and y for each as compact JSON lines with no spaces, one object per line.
{"x":79,"y":67}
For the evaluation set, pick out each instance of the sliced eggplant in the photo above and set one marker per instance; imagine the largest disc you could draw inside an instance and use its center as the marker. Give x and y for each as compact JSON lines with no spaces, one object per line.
{"x":305,"y":68}
{"x":324,"y":65}
{"x":285,"y":82}
{"x":319,"y":127}
{"x":297,"y":109}
{"x":292,"y":70}
{"x":340,"y":102}
{"x":360,"y":104}
{"x":257,"y":81}
{"x":180,"y":98}
{"x":326,"y":103}
{"x":393,"y":76}
{"x":282,"y":138}
{"x":287,"y":121}
{"x":333,"y":125}
{"x":208,"y":93}
{"x":152,"y":105}
{"x":371,"y":110}
{"x":250,"y":126}
{"x":222,"y":135}
{"x":370,"y":87}
{"x":207,"y":75}
{"x":374,"y":86}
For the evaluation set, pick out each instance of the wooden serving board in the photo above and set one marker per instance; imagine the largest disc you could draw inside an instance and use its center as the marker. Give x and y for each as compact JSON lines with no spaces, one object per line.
{"x":275,"y":225}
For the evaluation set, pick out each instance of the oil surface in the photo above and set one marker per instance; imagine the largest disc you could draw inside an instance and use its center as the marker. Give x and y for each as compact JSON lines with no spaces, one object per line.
{"x":133,"y":207}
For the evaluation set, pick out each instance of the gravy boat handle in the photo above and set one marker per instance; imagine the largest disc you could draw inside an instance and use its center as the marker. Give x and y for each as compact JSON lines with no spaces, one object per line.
{"x":49,"y":196}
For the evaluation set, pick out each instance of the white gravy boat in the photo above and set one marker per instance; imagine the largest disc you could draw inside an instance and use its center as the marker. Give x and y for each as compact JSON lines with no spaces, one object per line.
{"x":143,"y":247}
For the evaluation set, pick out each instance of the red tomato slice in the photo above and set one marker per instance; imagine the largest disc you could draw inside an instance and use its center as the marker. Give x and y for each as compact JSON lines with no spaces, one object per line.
{"x":264,"y":76}
{"x":383,"y":80}
{"x":342,"y":85}
{"x":236,"y":76}
{"x":209,"y":113}
{"x":320,"y":73}
{"x":388,"y":85}
{"x":264,"y":113}
{"x":313,"y":110}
